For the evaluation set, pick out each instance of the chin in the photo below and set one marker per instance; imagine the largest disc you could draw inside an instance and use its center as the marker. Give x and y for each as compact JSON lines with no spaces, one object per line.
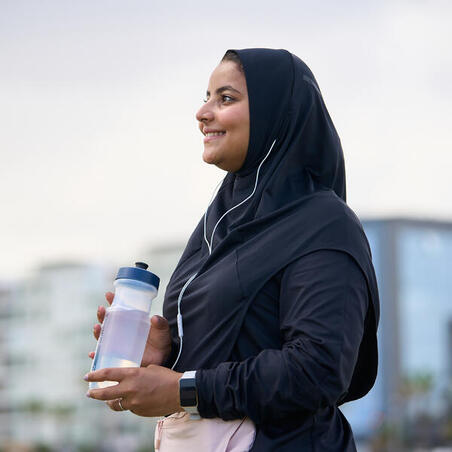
{"x":209,"y":157}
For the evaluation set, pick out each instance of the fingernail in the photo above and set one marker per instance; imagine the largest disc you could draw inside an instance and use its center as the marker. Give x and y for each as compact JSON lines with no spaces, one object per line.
{"x":85,"y":377}
{"x":88,"y":394}
{"x":161,"y":321}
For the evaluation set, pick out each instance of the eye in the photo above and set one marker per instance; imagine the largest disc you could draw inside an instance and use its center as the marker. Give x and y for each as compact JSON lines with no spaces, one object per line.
{"x":226,"y":98}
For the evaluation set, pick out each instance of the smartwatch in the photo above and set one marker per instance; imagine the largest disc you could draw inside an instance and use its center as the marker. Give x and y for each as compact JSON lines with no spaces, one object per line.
{"x":188,"y":394}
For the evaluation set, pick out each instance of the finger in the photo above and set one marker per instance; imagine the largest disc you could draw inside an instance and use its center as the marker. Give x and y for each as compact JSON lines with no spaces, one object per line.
{"x":91,"y":355}
{"x":109,"y":296}
{"x":159,"y":334}
{"x":111,"y":374}
{"x":110,"y":404}
{"x":100,"y":313}
{"x":159,"y":322}
{"x":110,"y":393}
{"x":119,"y":405}
{"x":114,"y":404}
{"x":96,"y":331}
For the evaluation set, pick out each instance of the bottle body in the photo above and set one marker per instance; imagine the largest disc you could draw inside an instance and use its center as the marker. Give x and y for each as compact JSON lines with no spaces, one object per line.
{"x":125,"y":328}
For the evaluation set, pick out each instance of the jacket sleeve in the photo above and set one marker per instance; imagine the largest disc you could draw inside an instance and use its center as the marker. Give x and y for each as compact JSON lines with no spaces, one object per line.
{"x":322,"y":307}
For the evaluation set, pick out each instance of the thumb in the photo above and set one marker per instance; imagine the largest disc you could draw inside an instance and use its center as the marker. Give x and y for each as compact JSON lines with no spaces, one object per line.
{"x":159,"y":322}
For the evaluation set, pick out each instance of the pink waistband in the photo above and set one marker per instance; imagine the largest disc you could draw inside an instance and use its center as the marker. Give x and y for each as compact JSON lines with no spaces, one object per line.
{"x":180,"y":433}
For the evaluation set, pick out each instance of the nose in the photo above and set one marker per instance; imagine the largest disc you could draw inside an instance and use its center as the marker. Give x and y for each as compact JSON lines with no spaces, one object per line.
{"x":205,"y":113}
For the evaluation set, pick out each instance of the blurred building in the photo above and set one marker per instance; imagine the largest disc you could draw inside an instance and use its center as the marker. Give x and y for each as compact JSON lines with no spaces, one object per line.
{"x":46,"y":333}
{"x":413,"y":260}
{"x":45,"y":342}
{"x":6,"y":300}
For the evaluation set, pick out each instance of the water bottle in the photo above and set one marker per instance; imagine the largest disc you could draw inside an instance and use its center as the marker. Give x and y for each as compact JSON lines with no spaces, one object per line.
{"x":126,"y":324}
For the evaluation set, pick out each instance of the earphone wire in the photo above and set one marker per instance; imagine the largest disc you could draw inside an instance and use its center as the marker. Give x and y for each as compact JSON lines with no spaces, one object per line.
{"x":215,"y":192}
{"x":180,"y":329}
{"x":238,"y":205}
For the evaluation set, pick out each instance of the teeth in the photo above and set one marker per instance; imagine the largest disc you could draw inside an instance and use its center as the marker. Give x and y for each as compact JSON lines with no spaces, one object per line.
{"x":214,"y":134}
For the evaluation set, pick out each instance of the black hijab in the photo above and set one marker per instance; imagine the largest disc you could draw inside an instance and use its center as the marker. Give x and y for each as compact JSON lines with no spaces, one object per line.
{"x":298,"y":207}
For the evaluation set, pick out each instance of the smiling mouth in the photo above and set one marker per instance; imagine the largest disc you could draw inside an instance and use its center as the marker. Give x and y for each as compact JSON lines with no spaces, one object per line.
{"x":214,"y":134}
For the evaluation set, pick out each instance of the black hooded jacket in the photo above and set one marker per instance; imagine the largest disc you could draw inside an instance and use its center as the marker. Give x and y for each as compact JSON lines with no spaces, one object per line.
{"x":280,"y":320}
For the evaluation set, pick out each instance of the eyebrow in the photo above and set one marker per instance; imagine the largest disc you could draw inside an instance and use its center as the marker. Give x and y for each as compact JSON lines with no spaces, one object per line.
{"x":223,"y":89}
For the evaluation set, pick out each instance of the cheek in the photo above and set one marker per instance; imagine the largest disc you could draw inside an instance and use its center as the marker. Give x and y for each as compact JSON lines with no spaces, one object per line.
{"x":243,"y":128}
{"x":235,"y":118}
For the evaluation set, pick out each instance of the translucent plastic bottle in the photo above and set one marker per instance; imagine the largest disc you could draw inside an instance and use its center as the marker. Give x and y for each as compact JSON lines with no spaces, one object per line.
{"x":126,"y":324}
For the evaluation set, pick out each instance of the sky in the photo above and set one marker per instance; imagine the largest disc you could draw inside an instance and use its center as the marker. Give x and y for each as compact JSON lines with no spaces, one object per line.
{"x":99,"y":145}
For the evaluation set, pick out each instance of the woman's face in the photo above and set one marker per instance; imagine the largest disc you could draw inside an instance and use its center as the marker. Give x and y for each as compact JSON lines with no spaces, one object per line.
{"x":224,"y":119}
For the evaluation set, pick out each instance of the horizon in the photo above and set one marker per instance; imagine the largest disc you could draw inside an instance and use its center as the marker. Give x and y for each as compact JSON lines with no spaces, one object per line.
{"x":100,"y":146}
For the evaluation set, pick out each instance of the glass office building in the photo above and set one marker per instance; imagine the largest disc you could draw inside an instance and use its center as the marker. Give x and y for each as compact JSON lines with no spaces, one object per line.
{"x":412,"y":260}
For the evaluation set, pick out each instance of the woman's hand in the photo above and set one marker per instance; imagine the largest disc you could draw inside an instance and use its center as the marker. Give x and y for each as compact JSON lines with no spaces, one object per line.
{"x":145,"y":391}
{"x":158,"y":344}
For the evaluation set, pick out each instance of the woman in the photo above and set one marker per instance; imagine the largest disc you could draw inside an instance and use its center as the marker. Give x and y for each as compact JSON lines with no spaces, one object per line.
{"x":276,"y":287}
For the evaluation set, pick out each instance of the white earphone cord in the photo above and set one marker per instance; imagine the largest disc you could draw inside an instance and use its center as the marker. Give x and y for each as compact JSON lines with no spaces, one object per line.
{"x":180,"y":329}
{"x":215,"y":192}
{"x":209,"y":245}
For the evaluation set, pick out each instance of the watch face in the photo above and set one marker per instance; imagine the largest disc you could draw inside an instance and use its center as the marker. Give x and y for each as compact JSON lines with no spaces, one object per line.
{"x":187,"y":389}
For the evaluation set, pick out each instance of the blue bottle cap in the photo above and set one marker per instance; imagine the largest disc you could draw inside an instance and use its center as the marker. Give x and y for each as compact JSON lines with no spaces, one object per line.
{"x":139,"y":273}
